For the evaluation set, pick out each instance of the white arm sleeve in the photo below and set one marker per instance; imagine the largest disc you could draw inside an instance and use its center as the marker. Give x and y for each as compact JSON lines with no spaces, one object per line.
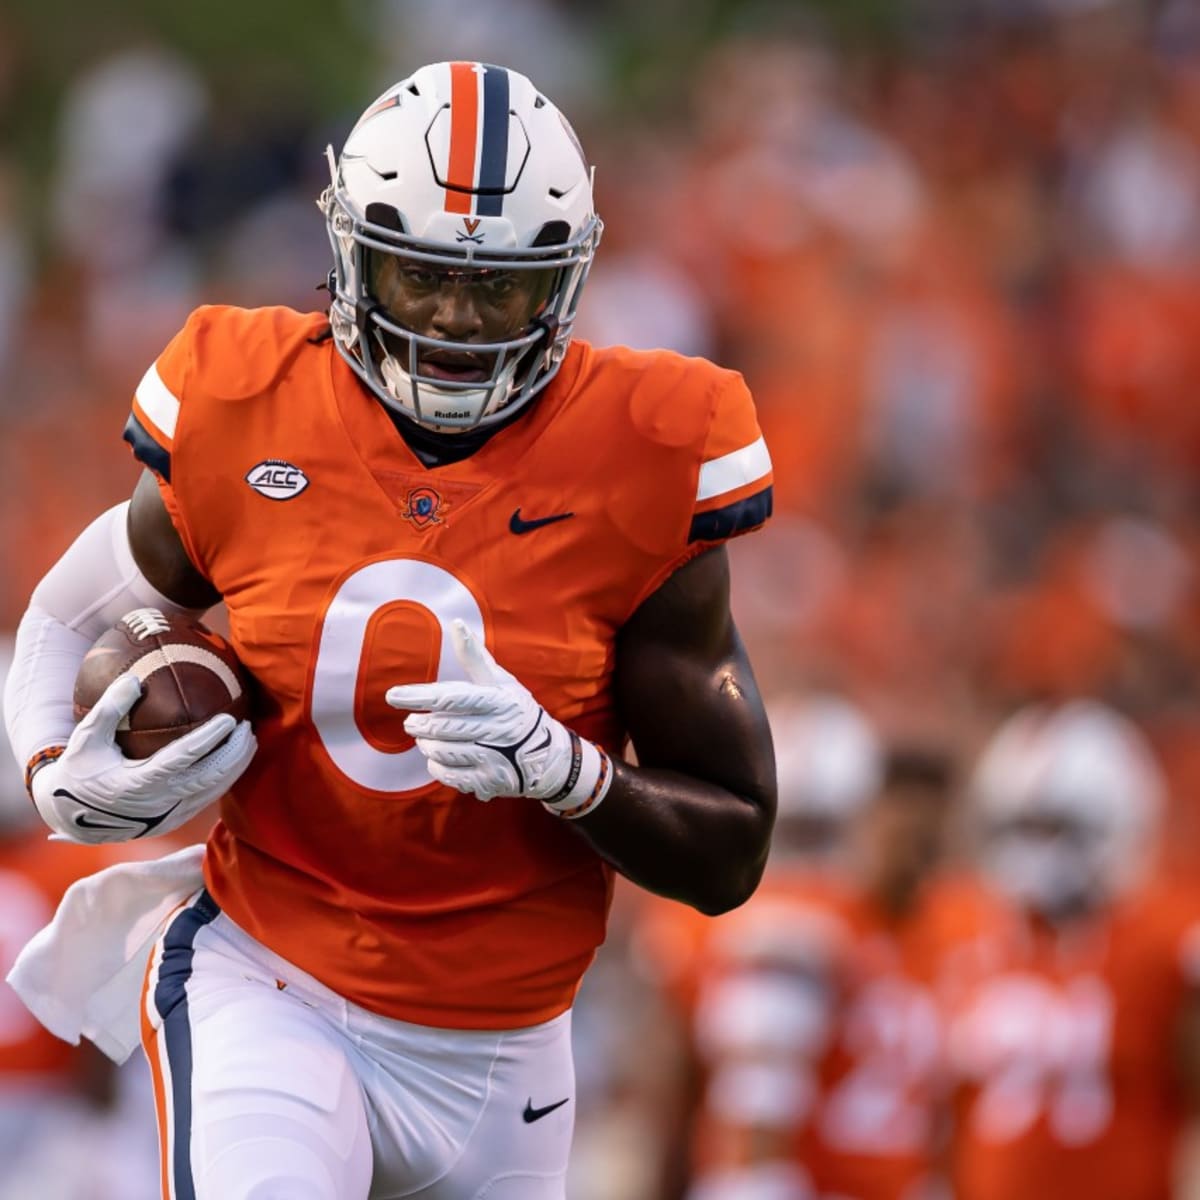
{"x":89,"y":589}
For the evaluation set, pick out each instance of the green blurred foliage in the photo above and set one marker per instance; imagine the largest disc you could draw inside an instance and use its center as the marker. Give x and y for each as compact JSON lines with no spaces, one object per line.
{"x":256,"y":54}
{"x":316,"y":57}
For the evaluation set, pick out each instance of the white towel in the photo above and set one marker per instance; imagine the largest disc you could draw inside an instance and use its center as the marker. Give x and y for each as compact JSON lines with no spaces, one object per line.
{"x":82,"y":975}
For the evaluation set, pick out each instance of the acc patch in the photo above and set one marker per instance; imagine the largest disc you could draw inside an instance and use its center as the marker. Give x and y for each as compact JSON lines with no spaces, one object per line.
{"x":277,"y":479}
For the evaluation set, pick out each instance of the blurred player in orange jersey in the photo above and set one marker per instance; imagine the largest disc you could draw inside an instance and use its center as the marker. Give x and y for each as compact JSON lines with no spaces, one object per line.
{"x":1078,"y":1046}
{"x":465,"y":560}
{"x":821,"y":1017}
{"x":828,"y":762}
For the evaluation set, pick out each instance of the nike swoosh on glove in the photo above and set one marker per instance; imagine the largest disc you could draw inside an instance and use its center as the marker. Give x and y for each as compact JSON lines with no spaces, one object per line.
{"x":92,"y":793}
{"x":489,"y":737}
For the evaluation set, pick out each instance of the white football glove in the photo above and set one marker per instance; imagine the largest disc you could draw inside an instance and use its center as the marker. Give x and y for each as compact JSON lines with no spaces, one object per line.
{"x":92,"y":793}
{"x":489,"y":737}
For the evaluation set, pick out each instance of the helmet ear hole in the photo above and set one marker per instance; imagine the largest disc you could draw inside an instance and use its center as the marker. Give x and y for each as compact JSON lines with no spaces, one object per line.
{"x":385,"y":215}
{"x":553,"y":233}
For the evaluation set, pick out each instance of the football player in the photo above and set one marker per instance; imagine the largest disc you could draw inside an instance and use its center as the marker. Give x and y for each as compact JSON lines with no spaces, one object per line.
{"x":465,"y":560}
{"x":1076,"y":1047}
{"x":828,"y":764}
{"x":819,"y":1016}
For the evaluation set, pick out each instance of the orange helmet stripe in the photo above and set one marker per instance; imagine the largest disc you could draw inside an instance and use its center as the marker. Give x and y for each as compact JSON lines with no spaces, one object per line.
{"x":464,"y":136}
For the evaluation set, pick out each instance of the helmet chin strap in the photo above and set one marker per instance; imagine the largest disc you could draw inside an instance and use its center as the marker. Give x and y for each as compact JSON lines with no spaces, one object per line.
{"x":549,"y":324}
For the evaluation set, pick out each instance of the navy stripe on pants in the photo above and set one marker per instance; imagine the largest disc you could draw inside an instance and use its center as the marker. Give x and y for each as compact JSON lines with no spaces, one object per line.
{"x":170,"y":1001}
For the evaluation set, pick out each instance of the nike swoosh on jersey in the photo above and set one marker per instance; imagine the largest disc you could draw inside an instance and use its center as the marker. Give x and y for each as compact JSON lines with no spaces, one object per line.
{"x":517,"y":524}
{"x":532,"y":1114}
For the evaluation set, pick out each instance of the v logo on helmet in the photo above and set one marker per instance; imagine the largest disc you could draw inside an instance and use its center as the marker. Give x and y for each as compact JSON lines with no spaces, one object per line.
{"x":471,"y":224}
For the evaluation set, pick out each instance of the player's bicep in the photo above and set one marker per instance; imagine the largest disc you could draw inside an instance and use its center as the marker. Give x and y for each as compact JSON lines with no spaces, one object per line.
{"x":159,"y":552}
{"x":685,"y":687}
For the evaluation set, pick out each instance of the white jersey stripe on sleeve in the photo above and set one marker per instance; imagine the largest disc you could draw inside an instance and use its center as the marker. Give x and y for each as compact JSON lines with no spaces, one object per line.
{"x":734,"y":470}
{"x":157,"y":402}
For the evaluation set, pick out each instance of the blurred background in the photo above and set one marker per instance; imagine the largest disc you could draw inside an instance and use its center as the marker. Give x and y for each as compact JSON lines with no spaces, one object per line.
{"x":953,"y":245}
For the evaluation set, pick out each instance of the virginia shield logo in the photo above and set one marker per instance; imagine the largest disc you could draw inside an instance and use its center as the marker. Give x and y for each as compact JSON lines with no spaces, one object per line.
{"x":277,"y":479}
{"x":424,"y":507}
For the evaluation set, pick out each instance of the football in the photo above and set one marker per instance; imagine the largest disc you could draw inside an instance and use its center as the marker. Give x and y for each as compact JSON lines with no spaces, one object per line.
{"x":188,"y":674}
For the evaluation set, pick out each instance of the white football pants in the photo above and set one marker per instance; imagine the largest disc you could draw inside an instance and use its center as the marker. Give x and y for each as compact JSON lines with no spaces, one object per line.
{"x":271,"y":1087}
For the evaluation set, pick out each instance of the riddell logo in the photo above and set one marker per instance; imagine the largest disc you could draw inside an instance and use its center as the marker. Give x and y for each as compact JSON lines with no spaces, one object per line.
{"x":276,"y":479}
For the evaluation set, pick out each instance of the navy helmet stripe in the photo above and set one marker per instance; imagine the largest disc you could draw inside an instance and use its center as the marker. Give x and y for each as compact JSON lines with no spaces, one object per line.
{"x":170,"y":1000}
{"x":734,"y":518}
{"x":493,"y":155}
{"x":146,"y":450}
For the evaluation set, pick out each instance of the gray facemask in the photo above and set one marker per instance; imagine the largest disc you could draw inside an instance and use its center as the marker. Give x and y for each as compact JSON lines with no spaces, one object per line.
{"x":1052,"y":877}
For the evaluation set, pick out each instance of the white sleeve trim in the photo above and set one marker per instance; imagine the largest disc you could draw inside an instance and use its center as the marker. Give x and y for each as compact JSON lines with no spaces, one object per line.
{"x":732,"y":471}
{"x":157,"y":402}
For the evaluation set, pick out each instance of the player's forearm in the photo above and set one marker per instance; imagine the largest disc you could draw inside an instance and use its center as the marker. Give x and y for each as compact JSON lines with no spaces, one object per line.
{"x":681,"y":837}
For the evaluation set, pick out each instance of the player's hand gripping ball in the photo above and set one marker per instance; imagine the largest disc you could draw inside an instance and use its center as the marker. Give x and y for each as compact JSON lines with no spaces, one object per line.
{"x":188,"y":674}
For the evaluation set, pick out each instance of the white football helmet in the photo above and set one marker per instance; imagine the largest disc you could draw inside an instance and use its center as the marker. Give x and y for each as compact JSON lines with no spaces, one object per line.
{"x":1068,"y":800}
{"x":829,"y":764}
{"x":463,"y":174}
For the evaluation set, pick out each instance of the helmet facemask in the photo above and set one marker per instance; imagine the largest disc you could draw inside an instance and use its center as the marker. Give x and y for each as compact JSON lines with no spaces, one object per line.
{"x":1055,"y":867}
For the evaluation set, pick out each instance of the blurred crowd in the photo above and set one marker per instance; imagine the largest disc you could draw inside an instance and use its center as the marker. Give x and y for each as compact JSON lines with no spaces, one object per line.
{"x":959,"y":266}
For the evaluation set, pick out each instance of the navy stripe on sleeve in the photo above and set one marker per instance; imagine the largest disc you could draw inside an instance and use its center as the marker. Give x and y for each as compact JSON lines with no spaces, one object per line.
{"x":493,"y":161}
{"x":723,"y":523}
{"x":146,"y":450}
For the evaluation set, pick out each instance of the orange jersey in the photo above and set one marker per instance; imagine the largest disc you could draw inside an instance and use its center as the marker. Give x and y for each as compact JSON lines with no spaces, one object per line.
{"x":869,"y":1051}
{"x":342,"y":561}
{"x":878,"y":1130}
{"x":1064,"y":1052}
{"x":757,"y":994}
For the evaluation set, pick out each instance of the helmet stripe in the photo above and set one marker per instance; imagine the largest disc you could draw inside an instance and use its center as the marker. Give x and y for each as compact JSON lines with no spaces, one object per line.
{"x":464,"y":136}
{"x":493,"y":158}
